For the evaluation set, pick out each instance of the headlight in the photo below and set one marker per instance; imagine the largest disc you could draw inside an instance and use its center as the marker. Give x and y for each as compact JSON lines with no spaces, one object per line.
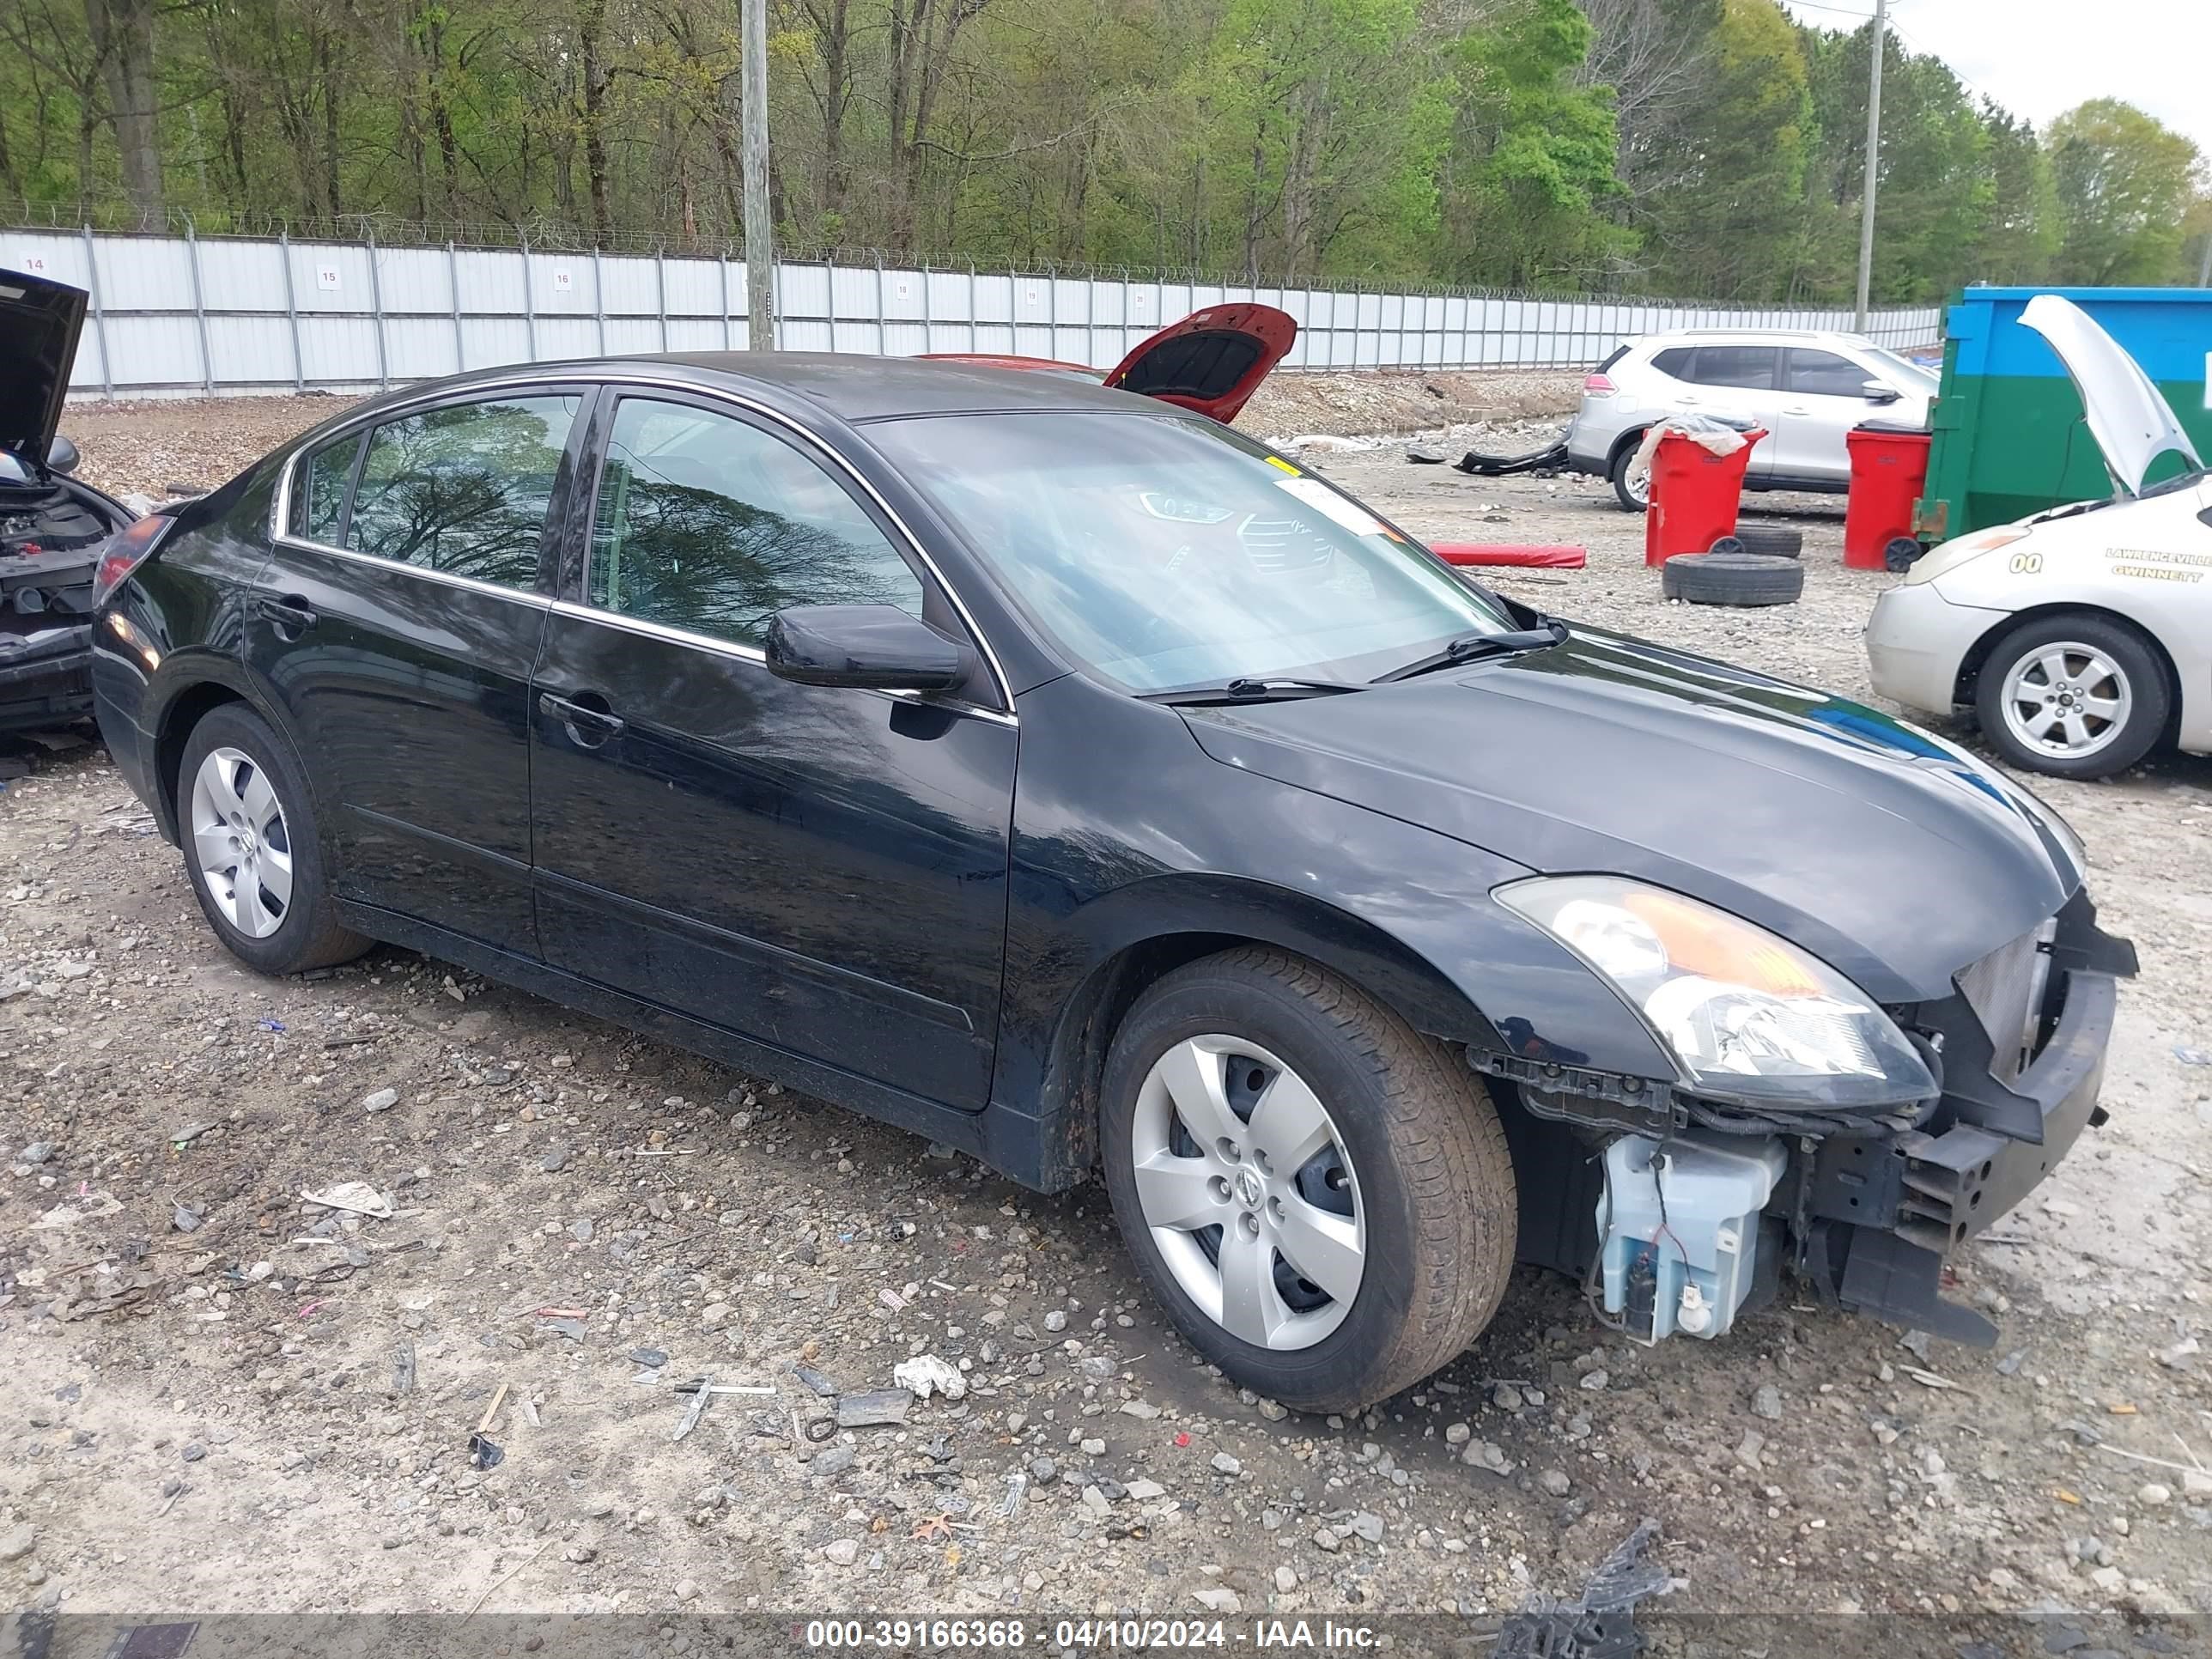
{"x":1951,"y":554}
{"x":1749,"y":1017}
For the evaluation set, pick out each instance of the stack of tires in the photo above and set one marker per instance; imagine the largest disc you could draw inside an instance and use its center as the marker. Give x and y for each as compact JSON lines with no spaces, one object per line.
{"x":1758,"y":565}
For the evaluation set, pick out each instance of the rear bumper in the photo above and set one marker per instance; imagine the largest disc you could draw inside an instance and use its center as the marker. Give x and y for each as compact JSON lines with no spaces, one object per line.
{"x":45,"y":678}
{"x":1886,"y":1212}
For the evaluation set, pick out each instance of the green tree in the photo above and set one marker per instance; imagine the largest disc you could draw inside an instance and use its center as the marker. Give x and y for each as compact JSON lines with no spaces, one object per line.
{"x":1732,"y":225}
{"x":2124,"y":183}
{"x":1533,"y":154}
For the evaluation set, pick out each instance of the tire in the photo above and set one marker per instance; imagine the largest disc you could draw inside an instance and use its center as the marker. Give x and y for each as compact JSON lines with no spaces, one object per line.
{"x":1899,"y":554}
{"x":1729,"y":578}
{"x":2118,"y":676}
{"x":1626,"y":493}
{"x":238,"y":776}
{"x":1781,"y":540}
{"x":1411,"y":1157}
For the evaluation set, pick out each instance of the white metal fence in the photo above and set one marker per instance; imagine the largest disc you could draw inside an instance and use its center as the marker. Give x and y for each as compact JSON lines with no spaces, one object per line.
{"x":184,"y":314}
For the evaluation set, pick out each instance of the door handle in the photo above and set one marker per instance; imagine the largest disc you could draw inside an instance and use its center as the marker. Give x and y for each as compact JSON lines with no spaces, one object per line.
{"x":1687,"y":403}
{"x":1795,"y":408}
{"x":293,"y":615}
{"x":589,"y":722}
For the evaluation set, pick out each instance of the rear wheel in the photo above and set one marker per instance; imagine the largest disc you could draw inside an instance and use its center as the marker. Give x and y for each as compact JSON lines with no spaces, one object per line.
{"x":2073,"y":696}
{"x":251,"y":850}
{"x":1320,"y":1197}
{"x":1631,"y":484}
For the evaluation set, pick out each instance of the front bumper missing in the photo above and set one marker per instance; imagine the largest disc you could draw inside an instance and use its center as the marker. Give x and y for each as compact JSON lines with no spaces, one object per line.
{"x":45,"y":678}
{"x":1881,"y":1213}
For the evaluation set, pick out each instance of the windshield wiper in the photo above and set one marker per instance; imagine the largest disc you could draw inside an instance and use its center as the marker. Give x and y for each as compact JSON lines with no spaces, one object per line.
{"x":1271,"y":688}
{"x":1469,"y":647}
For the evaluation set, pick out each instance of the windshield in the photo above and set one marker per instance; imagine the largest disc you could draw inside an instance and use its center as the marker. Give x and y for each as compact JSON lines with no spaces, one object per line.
{"x":1926,"y":380}
{"x":1167,"y":553}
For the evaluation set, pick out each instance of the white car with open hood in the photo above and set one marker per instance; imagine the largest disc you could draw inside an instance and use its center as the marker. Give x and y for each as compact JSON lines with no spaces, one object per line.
{"x":2081,"y":636}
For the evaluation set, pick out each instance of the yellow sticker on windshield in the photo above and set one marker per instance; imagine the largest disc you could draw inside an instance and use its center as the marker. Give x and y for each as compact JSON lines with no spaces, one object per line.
{"x":1277,"y":460}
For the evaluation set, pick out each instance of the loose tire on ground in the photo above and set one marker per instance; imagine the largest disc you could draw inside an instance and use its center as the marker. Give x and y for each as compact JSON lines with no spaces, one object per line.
{"x":1785,"y":541}
{"x":308,"y":932}
{"x":1740,"y":579}
{"x":2117,"y":677}
{"x":1429,"y":1171}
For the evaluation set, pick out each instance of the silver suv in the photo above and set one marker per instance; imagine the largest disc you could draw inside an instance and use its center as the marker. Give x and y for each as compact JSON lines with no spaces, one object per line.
{"x":1806,"y":387}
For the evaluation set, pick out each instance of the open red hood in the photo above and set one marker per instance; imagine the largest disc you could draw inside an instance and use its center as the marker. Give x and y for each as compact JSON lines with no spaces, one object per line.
{"x":1212,"y":360}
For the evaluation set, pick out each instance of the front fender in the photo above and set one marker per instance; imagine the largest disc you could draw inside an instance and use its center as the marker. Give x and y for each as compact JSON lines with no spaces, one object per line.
{"x":1103,"y":898}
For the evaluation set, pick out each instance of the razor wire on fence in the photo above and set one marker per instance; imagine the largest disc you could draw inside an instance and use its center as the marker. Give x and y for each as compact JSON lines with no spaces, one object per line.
{"x":179,"y":313}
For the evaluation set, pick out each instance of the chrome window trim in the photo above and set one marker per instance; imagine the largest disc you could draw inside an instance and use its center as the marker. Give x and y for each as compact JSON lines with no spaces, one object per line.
{"x":281,"y":512}
{"x":529,"y":596}
{"x":752,"y":653}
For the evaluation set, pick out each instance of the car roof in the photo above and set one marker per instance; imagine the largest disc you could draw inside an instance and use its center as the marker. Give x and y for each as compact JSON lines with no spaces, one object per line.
{"x":1757,"y":336}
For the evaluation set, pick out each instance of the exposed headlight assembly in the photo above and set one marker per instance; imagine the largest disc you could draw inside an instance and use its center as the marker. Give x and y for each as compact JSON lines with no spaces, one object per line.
{"x":1749,"y":1017}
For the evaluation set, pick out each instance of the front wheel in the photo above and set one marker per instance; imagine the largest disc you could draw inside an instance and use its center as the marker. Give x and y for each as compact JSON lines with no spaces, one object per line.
{"x":2075,"y":696}
{"x":252,"y":849}
{"x":1319,"y":1196}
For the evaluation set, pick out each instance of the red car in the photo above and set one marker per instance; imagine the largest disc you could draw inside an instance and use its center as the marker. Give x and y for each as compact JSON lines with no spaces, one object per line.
{"x":1212,"y":360}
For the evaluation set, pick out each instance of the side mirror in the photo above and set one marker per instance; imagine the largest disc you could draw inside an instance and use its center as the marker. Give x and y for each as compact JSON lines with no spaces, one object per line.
{"x":1880,"y":392}
{"x":877,"y":648}
{"x":61,"y":455}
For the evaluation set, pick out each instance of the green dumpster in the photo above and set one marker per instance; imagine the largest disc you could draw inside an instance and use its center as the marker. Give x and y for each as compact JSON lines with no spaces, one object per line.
{"x":2009,"y":437}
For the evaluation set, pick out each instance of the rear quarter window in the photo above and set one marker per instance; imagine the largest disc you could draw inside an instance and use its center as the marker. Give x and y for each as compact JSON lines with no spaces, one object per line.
{"x":1673,"y":362}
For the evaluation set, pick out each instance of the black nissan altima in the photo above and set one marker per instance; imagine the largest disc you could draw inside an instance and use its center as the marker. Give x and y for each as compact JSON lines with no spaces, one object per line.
{"x":1063,"y":776}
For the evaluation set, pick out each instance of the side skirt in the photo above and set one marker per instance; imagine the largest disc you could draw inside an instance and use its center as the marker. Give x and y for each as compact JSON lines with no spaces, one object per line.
{"x":994,"y":1135}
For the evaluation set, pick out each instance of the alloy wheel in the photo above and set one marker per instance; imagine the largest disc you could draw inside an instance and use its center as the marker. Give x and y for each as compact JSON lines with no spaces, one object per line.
{"x":1243,"y":1180}
{"x":240,"y":840}
{"x":2066,"y":700}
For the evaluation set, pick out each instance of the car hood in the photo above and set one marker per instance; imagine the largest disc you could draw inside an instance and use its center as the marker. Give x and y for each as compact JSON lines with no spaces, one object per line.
{"x":39,"y":325}
{"x":2129,"y":417}
{"x":1895,"y":857}
{"x":1212,"y":360}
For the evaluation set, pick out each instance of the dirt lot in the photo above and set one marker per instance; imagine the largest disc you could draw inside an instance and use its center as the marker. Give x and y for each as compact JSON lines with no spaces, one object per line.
{"x":271,"y":1410}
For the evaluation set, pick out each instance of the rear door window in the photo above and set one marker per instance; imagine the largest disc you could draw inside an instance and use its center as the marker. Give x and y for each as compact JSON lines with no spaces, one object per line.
{"x":706,"y":523}
{"x":1749,"y":365}
{"x":464,"y":490}
{"x":1825,"y":374}
{"x":319,"y":490}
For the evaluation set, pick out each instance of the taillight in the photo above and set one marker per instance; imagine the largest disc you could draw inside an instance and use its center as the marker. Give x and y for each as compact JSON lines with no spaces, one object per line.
{"x":124,"y":551}
{"x":1598,"y":386}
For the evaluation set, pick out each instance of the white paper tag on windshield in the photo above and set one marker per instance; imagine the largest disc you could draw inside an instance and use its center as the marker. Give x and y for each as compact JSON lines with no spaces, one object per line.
{"x":1337,"y":509}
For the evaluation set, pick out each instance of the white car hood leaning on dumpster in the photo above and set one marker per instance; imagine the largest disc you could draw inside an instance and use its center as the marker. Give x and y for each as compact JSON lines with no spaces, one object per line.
{"x":1961,"y":627}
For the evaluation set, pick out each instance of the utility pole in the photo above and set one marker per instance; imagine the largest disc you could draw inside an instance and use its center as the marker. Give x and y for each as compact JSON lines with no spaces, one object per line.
{"x":1873,"y":164}
{"x":760,"y":220}
{"x":2204,"y":261}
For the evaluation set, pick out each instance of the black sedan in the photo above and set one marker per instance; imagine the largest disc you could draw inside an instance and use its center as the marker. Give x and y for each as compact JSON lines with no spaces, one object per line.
{"x":1066,"y":777}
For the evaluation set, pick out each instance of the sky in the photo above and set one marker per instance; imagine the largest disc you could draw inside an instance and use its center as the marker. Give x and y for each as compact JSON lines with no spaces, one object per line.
{"x":2040,"y":58}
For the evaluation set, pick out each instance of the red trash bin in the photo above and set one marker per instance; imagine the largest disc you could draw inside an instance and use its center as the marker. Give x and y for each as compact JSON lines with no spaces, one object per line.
{"x":1889,"y":474}
{"x":1694,"y":495}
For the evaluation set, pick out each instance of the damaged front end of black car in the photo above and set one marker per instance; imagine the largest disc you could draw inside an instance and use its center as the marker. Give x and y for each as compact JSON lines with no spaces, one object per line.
{"x":52,"y":526}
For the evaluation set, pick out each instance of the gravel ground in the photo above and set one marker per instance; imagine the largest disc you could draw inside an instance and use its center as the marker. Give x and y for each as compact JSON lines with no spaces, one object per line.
{"x":223,"y":1398}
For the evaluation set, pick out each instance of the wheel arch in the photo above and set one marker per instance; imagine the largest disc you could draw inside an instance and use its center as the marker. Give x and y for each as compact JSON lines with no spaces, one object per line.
{"x":1977,"y":655}
{"x":1138,"y":939}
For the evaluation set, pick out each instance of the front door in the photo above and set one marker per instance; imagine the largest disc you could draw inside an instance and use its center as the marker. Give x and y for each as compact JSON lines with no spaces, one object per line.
{"x":1823,"y":396}
{"x":395,"y":628}
{"x":821,"y":870}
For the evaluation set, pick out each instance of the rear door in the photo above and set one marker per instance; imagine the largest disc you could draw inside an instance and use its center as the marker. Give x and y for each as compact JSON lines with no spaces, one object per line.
{"x":820,"y":869}
{"x":1734,"y":382}
{"x":395,"y":630}
{"x":1824,"y":397}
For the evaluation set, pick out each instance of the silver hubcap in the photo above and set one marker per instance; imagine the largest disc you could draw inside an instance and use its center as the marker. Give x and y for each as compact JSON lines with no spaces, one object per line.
{"x":1249,"y":1192}
{"x":1639,"y":485}
{"x":239,"y":838}
{"x":2066,"y":700}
